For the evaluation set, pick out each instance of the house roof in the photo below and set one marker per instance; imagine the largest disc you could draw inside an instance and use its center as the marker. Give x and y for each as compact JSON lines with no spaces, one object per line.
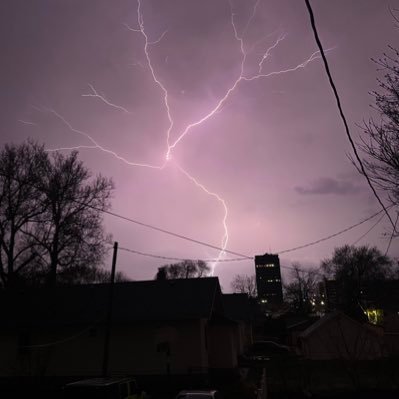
{"x":319,"y":323}
{"x":299,"y":323}
{"x":329,"y":317}
{"x":132,"y":302}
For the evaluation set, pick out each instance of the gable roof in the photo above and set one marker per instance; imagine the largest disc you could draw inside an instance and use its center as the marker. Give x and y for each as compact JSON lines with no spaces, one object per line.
{"x":299,"y":322}
{"x":329,"y":317}
{"x":132,"y":302}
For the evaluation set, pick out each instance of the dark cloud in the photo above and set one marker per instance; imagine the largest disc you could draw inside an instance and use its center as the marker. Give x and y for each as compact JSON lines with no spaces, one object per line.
{"x":329,"y":185}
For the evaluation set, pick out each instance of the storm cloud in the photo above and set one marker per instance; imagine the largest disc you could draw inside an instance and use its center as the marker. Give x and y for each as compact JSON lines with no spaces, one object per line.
{"x":329,"y":185}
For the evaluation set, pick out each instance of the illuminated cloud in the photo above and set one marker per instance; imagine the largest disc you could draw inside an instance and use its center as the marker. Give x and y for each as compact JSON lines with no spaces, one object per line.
{"x":329,"y":185}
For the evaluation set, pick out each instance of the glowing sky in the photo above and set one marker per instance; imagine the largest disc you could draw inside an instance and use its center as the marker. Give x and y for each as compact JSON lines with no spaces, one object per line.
{"x":275,"y":151}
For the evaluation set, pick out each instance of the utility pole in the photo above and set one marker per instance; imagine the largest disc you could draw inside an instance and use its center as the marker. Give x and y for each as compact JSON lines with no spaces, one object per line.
{"x":109,"y":312}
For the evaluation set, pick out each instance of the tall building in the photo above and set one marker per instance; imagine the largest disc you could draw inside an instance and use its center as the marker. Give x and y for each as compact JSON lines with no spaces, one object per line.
{"x":268,"y":278}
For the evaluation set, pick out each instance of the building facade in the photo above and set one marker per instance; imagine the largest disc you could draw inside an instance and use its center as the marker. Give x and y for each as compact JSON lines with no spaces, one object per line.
{"x":268,"y":278}
{"x":159,"y":328}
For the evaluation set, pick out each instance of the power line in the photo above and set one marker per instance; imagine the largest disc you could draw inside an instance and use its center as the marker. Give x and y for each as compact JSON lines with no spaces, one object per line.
{"x":205,"y":260}
{"x":331,"y":235}
{"x":133,"y":251}
{"x":393,"y":232}
{"x":341,"y":112}
{"x":149,"y":226}
{"x":240,"y":256}
{"x":171,"y":233}
{"x":67,"y":339}
{"x":244,"y":257}
{"x":371,"y":228}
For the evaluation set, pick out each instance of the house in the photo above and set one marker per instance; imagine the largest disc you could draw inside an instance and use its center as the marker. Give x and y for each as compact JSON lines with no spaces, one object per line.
{"x":337,"y":336}
{"x":295,"y":325}
{"x":238,"y":309}
{"x":170,"y":327}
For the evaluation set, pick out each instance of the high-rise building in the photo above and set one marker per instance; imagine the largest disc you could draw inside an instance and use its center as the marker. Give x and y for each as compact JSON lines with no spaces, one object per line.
{"x":268,"y":278}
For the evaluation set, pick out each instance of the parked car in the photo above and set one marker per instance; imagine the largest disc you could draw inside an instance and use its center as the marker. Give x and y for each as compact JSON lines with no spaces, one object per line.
{"x":198,"y":394}
{"x":103,"y":388}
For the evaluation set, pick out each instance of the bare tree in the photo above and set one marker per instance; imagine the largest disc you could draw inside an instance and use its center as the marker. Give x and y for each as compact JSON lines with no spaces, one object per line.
{"x":70,"y":232}
{"x":50,"y":217}
{"x":244,"y":284}
{"x":184,"y":269}
{"x":102,"y":276}
{"x":21,"y":205}
{"x":381,"y":140}
{"x":302,"y":289}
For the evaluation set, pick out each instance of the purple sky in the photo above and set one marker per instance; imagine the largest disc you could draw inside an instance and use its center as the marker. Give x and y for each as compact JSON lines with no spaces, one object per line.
{"x":275,"y":151}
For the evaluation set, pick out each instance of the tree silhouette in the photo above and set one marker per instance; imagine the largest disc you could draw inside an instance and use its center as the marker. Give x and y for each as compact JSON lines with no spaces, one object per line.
{"x":71,"y":233}
{"x":381,"y":140}
{"x":244,"y":284}
{"x":50,"y":217}
{"x":302,"y":288}
{"x":356,"y":270}
{"x":20,"y":207}
{"x":184,"y":269}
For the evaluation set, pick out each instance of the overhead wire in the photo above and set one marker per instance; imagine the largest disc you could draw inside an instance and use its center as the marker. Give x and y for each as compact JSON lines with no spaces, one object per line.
{"x":368,"y":231}
{"x":134,"y":251}
{"x":331,"y":235}
{"x":240,"y":257}
{"x":181,"y":236}
{"x":341,"y":112}
{"x":149,"y":226}
{"x":393,"y":233}
{"x":163,"y":257}
{"x":66,"y":339}
{"x":205,"y":260}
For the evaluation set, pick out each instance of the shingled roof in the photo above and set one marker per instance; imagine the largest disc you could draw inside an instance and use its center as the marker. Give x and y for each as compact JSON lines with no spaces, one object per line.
{"x":132,"y":302}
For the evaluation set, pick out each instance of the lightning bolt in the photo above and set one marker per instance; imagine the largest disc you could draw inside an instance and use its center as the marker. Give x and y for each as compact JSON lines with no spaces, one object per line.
{"x":96,"y":145}
{"x":27,"y":122}
{"x":216,"y":108}
{"x":250,"y":19}
{"x":147,"y":43}
{"x":242,"y":77}
{"x":94,"y":93}
{"x":266,"y":55}
{"x":225,"y":237}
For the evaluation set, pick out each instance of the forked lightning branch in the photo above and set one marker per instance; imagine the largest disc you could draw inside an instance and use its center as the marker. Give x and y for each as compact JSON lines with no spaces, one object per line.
{"x":139,"y":27}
